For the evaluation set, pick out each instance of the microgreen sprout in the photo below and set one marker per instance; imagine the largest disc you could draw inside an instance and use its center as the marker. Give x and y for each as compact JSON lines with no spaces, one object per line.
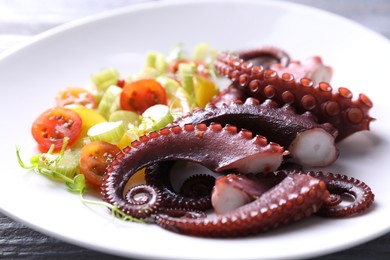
{"x":43,"y":164}
{"x":114,"y":209}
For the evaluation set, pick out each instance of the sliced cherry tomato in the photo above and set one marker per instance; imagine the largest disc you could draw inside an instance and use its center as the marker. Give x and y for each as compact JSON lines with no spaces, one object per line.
{"x":173,"y":66}
{"x":53,"y":125}
{"x":139,"y":95}
{"x":121,"y":83}
{"x":89,"y":117}
{"x":94,"y":159}
{"x":77,"y":96}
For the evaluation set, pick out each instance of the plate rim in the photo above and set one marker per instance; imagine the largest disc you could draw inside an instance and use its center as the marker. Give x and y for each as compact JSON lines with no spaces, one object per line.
{"x":91,"y":18}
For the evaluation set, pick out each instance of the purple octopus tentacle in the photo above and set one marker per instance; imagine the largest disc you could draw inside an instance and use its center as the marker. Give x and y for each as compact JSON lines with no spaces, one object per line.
{"x":265,"y":56}
{"x":296,"y":197}
{"x":309,"y":143}
{"x":243,"y":152}
{"x":338,"y":108}
{"x":157,"y":175}
{"x":341,"y":185}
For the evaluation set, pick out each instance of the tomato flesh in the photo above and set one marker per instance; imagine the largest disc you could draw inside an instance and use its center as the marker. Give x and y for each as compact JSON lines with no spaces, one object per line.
{"x":94,"y":159}
{"x":53,"y":125}
{"x":137,"y":96}
{"x":75,"y":96}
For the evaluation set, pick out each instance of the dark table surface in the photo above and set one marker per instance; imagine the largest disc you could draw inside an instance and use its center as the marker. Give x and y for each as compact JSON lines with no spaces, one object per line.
{"x":22,"y":19}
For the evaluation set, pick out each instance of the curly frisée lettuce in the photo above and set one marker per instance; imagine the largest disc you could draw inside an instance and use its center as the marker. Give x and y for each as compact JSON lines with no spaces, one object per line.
{"x":61,"y":166}
{"x":123,"y":108}
{"x":56,"y":166}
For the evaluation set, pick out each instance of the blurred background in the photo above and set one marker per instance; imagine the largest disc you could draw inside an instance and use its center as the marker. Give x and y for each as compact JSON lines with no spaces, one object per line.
{"x":22,"y":19}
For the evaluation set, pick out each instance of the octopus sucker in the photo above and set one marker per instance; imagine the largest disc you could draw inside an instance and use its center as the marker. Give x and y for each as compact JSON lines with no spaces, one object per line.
{"x":243,"y":153}
{"x":309,"y":143}
{"x":336,"y":107}
{"x":158,"y":175}
{"x":263,"y":214}
{"x":310,"y":71}
{"x":339,"y":185}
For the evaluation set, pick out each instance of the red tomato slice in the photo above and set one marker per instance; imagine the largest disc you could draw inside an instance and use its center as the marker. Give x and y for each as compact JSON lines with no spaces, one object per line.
{"x":94,"y":159}
{"x":77,"y":96}
{"x":137,"y":96}
{"x":53,"y":125}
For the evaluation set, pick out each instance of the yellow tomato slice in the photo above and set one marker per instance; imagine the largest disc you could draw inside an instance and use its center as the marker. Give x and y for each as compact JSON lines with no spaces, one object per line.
{"x":204,"y":91}
{"x":89,"y":117}
{"x":125,"y":141}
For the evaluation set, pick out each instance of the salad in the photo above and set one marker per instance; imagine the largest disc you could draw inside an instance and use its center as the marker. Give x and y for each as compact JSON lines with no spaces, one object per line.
{"x":81,"y":134}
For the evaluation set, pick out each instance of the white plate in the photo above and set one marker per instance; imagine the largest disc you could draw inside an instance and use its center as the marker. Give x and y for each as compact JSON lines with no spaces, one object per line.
{"x":31,"y":76}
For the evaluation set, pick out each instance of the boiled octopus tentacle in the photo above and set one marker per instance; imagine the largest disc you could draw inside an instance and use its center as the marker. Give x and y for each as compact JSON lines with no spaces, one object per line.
{"x":265,"y":56}
{"x":338,"y":108}
{"x":229,"y":95}
{"x":198,"y":186}
{"x":243,"y":153}
{"x":232,"y":191}
{"x":312,"y":68}
{"x":340,"y":185}
{"x":296,"y":197}
{"x":235,"y":190}
{"x":158,"y":175}
{"x":309,"y":143}
{"x":145,"y":200}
